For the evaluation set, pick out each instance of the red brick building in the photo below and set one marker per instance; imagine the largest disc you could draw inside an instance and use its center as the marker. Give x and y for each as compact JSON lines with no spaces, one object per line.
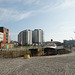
{"x":5,"y":34}
{"x":5,"y":43}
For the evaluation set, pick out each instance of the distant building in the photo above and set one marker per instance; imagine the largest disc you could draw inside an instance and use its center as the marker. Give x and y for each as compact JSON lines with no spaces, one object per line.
{"x":11,"y":41}
{"x":25,"y":37}
{"x":37,"y":37}
{"x":5,"y":32}
{"x":1,"y":37}
{"x":14,"y":42}
{"x":69,"y":43}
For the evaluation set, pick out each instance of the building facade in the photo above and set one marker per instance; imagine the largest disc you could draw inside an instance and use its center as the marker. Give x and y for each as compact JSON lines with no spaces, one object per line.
{"x":4,"y":38}
{"x":37,"y":37}
{"x":5,"y":32}
{"x":6,"y":45}
{"x":69,"y":43}
{"x":25,"y":37}
{"x":1,"y":37}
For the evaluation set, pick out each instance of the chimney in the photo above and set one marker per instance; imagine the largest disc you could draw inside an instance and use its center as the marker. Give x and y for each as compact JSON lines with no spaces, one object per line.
{"x":51,"y":40}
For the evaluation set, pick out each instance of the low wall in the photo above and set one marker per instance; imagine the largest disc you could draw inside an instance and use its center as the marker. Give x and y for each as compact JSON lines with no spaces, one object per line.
{"x":63,"y":51}
{"x":13,"y":54}
{"x":19,"y":53}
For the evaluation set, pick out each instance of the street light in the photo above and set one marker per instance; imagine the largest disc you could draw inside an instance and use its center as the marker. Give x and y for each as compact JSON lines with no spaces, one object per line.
{"x":72,"y":38}
{"x":74,"y":31}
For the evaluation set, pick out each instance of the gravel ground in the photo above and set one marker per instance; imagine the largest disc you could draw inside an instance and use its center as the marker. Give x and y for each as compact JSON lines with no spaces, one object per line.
{"x":44,"y":65}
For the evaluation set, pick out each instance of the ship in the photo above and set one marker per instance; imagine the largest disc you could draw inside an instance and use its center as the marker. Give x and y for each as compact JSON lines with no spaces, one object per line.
{"x":50,"y":49}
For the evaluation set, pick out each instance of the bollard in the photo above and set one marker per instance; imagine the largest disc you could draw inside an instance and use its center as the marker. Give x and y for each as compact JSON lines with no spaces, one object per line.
{"x":26,"y":56}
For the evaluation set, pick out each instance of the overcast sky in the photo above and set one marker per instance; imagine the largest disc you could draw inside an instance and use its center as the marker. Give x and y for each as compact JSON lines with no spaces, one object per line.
{"x":55,"y":17}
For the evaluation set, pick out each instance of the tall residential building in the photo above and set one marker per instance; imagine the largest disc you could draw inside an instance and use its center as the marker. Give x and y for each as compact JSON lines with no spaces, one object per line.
{"x":37,"y":36}
{"x":25,"y":37}
{"x":1,"y":37}
{"x":5,"y":32}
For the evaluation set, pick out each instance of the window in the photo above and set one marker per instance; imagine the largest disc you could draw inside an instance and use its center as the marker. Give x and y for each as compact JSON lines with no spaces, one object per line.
{"x":1,"y":41}
{"x":1,"y":38}
{"x":1,"y":34}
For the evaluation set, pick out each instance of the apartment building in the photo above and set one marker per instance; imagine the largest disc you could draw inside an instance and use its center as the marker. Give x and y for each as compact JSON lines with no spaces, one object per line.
{"x":4,"y":38}
{"x":25,"y":37}
{"x":37,"y":36}
{"x":5,"y":32}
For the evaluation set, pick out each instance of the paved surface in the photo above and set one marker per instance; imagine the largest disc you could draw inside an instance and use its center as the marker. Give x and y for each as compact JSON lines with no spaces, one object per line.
{"x":45,"y":65}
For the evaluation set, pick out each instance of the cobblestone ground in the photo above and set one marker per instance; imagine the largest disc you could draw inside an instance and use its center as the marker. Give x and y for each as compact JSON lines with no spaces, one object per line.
{"x":45,"y":65}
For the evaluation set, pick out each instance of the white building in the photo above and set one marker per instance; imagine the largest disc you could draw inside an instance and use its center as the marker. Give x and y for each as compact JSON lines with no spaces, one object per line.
{"x":25,"y":37}
{"x":1,"y":37}
{"x":37,"y":36}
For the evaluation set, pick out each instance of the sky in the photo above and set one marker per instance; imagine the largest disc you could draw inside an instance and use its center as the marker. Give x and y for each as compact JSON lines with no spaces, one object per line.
{"x":55,"y":17}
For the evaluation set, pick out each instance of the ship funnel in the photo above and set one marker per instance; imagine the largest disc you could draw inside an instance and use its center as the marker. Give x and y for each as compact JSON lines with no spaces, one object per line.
{"x":51,"y":40}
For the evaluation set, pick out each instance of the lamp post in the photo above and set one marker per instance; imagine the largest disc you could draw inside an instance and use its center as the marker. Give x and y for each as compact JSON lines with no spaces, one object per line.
{"x":72,"y":38}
